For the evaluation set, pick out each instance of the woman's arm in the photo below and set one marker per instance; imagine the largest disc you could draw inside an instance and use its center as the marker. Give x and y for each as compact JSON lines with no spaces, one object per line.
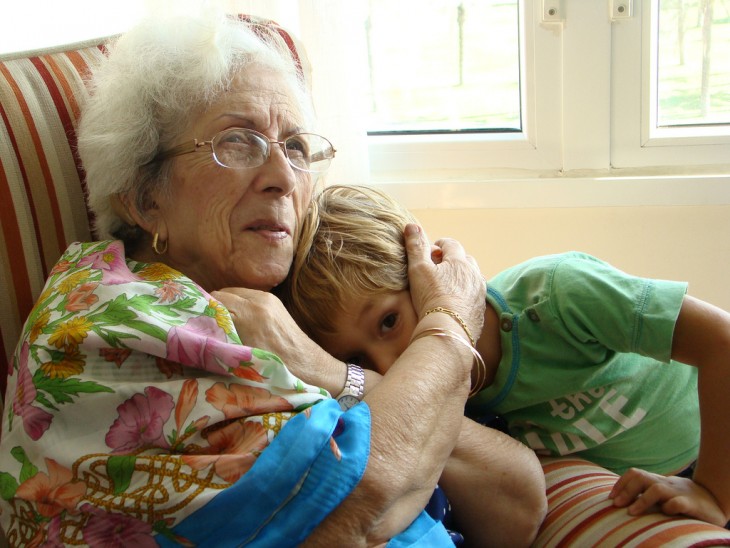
{"x":701,"y":338}
{"x":496,"y":488}
{"x":416,"y":419}
{"x":416,"y":409}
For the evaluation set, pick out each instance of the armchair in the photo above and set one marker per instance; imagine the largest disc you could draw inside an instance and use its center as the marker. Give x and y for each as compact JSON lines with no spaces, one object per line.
{"x":43,"y":209}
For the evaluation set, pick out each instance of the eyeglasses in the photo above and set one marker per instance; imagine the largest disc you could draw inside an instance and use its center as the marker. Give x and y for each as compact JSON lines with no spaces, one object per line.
{"x":241,"y":148}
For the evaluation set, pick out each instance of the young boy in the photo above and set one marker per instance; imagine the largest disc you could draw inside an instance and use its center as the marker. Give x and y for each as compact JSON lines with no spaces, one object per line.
{"x":580,"y":357}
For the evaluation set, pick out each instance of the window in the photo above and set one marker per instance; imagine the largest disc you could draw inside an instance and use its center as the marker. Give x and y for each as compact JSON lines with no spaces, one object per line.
{"x":692,"y":63}
{"x":600,"y":125}
{"x":453,"y":66}
{"x":671,"y":103}
{"x":582,"y":93}
{"x":531,"y":142}
{"x":35,"y":24}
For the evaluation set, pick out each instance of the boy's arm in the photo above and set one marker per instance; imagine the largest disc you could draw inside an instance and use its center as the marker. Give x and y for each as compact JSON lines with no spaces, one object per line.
{"x":496,"y":488}
{"x":702,"y":339}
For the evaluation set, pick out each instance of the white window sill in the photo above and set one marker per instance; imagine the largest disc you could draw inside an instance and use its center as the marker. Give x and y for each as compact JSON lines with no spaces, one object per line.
{"x":450,"y":189}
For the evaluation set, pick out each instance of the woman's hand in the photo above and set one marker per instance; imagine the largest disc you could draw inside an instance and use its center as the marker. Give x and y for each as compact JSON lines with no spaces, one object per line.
{"x":262,"y":321}
{"x":453,"y":282}
{"x":643,"y":492}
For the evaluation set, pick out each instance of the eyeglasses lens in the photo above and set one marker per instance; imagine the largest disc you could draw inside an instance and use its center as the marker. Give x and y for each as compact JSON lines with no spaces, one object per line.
{"x":241,"y":148}
{"x":309,"y":151}
{"x":238,"y":148}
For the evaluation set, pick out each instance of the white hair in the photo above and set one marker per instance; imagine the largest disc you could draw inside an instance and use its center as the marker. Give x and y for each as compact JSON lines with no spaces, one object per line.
{"x":143,"y":92}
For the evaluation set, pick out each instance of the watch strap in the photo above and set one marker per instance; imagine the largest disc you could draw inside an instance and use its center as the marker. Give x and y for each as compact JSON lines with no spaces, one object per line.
{"x":355,"y":383}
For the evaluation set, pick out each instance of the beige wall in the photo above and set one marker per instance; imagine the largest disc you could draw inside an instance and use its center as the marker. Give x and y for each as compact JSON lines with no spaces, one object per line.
{"x":690,"y":243}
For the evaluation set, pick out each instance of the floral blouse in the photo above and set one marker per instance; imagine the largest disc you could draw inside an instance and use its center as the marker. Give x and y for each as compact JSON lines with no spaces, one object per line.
{"x":132,"y":404}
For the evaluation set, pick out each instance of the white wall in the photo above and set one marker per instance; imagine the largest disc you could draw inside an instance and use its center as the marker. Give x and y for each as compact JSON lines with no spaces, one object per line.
{"x":690,"y":243}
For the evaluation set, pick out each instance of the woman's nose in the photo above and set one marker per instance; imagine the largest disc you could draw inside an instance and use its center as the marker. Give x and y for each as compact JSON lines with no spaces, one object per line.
{"x":276,"y":174}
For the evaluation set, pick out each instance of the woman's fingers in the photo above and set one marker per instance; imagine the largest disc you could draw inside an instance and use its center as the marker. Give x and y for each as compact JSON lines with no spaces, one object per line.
{"x":443,"y":275}
{"x":417,"y":246}
{"x":451,"y":248}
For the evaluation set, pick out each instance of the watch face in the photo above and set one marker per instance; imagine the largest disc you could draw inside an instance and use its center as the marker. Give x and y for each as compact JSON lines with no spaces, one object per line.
{"x":347,"y":401}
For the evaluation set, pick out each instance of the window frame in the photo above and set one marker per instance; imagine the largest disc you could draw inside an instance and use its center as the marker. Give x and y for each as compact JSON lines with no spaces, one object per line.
{"x":638,"y":142}
{"x":584,"y":144}
{"x":532,"y":148}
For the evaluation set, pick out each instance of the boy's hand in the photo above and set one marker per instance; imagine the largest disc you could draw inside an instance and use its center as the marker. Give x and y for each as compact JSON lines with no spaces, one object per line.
{"x":644,"y":492}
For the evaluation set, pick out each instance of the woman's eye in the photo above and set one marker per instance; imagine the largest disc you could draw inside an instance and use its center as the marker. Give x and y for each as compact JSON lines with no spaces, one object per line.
{"x":239,"y":138}
{"x":297,"y":147}
{"x":389,"y":322}
{"x":239,"y":148}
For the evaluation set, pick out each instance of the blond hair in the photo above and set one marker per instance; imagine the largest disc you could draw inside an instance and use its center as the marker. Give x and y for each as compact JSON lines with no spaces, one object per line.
{"x":351,"y":244}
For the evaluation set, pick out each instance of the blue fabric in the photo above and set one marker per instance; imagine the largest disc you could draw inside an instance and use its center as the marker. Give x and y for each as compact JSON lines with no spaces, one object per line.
{"x":294,"y":484}
{"x":424,"y":532}
{"x":439,"y":508}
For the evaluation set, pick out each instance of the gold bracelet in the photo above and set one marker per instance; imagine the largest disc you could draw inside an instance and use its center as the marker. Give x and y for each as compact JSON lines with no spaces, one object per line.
{"x":456,"y":316}
{"x":481,"y":372}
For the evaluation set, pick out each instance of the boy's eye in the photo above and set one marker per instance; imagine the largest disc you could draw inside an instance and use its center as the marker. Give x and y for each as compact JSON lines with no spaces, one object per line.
{"x":389,"y":322}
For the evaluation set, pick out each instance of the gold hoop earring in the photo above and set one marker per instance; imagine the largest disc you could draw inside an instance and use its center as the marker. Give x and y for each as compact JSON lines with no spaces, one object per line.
{"x":154,"y":245}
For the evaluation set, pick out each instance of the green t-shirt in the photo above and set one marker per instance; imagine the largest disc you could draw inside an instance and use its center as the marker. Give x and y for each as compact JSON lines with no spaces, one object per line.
{"x":586,"y":365}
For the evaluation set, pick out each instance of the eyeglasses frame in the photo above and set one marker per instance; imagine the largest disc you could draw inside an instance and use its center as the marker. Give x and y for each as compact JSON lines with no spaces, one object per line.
{"x":196,"y":145}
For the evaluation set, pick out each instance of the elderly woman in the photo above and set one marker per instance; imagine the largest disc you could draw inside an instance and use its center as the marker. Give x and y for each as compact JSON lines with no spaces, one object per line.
{"x":149,"y":405}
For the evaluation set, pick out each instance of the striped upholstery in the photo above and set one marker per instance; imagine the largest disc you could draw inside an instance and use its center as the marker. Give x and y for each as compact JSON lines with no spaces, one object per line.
{"x":42,"y":207}
{"x":42,"y":210}
{"x":42,"y":200}
{"x":580,"y":514}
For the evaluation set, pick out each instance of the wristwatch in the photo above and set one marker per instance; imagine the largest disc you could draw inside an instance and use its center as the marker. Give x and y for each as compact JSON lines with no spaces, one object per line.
{"x":354,"y":387}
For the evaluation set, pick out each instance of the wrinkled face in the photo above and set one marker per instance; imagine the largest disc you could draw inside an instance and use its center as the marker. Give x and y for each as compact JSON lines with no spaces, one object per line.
{"x":375,"y":331}
{"x":237,"y":227}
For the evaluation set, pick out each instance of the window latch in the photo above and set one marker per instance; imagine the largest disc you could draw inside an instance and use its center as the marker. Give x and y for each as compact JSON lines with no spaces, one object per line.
{"x":553,"y":11}
{"x":621,"y":9}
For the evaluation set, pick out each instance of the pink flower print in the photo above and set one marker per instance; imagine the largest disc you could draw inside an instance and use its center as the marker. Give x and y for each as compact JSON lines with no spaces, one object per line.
{"x":52,"y":535}
{"x":82,"y":298}
{"x":61,"y":266}
{"x":111,"y":263}
{"x":248,"y":372}
{"x":185,"y":402}
{"x":169,"y":291}
{"x":141,"y":421}
{"x":186,"y":344}
{"x":232,"y":451}
{"x":243,"y":401}
{"x":115,"y":530}
{"x":116,"y":355}
{"x":201,"y":342}
{"x":35,"y":420}
{"x":168,"y":368}
{"x":234,"y":356}
{"x":54,"y":492}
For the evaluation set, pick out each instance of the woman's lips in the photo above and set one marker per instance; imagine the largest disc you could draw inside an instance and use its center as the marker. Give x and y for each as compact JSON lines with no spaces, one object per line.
{"x":269,"y":230}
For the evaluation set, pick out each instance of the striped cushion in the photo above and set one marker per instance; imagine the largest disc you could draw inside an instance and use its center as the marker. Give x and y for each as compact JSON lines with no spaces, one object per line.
{"x":42,"y":199}
{"x":42,"y":207}
{"x":580,"y":514}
